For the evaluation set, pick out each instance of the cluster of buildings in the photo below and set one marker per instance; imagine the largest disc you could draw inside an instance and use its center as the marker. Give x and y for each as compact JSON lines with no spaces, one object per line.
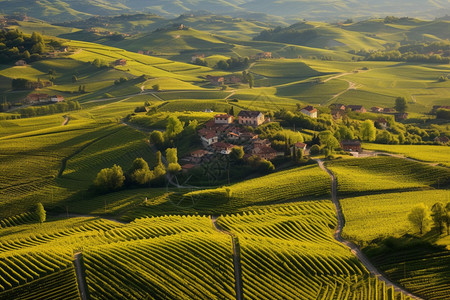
{"x":222,"y":133}
{"x":43,"y":98}
{"x":337,"y":110}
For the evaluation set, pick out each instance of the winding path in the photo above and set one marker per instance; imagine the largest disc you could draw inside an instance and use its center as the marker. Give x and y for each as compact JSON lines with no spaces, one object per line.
{"x":354,"y":249}
{"x":81,"y":278}
{"x":236,"y":258}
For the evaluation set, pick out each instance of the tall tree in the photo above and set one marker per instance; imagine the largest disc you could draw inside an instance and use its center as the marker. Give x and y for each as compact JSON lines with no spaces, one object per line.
{"x":400,"y":104}
{"x":438,"y":215}
{"x":40,"y":213}
{"x":447,"y":217}
{"x":110,"y":179}
{"x":420,"y":217}
{"x":174,"y":127}
{"x":368,"y":131}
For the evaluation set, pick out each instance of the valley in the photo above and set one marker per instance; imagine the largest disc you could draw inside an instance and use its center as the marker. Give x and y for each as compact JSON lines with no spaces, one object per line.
{"x":253,"y":154}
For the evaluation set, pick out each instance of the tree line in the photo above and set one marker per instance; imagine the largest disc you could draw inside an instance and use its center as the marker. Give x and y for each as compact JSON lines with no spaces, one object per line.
{"x":33,"y":111}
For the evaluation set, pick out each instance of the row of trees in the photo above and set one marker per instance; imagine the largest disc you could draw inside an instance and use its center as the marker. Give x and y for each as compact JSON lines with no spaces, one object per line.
{"x":60,"y":107}
{"x":140,"y":174}
{"x":421,"y":217}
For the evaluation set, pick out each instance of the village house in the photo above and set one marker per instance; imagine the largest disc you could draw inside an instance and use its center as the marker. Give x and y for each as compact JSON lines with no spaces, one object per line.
{"x":222,"y":148}
{"x":208,"y":137}
{"x":300,"y":145}
{"x":388,"y":110}
{"x":351,"y":146}
{"x":338,"y":106}
{"x":216,"y":80}
{"x":21,"y":63}
{"x":264,"y":55}
{"x":309,"y":111}
{"x":56,"y":98}
{"x":251,"y":118}
{"x":261,"y":143}
{"x":197,"y":56}
{"x":382,"y":123}
{"x":376,"y":109}
{"x":36,"y":98}
{"x":442,"y":140}
{"x":233,"y":135}
{"x":120,"y":62}
{"x":265,"y":152}
{"x":400,"y":116}
{"x":337,"y":114}
{"x":223,"y":119}
{"x":357,"y":108}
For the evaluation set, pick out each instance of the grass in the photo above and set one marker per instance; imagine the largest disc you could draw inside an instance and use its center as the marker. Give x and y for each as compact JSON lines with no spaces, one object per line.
{"x":385,"y":215}
{"x":383,"y":174}
{"x":427,"y":153}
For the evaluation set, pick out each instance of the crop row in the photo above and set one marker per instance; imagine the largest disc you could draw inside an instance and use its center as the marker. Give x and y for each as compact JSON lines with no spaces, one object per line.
{"x":17,"y":220}
{"x":188,"y":266}
{"x":385,"y":174}
{"x":60,"y":285}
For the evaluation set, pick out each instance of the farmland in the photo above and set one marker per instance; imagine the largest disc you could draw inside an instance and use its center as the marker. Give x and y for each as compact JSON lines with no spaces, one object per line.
{"x":267,"y":222}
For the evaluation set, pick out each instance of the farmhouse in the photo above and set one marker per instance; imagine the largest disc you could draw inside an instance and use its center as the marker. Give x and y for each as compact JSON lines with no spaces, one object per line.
{"x":21,"y":63}
{"x":222,"y":148}
{"x":223,"y":119}
{"x":120,"y":62}
{"x":357,"y":108}
{"x":264,"y":55}
{"x":352,"y":146}
{"x":400,"y":116}
{"x":309,"y":111}
{"x":37,"y":98}
{"x":216,"y":80}
{"x":57,"y":98}
{"x":197,"y":56}
{"x":388,"y":110}
{"x":442,"y":139}
{"x":300,"y":145}
{"x":265,"y":152}
{"x":376,"y":109}
{"x":382,"y":123}
{"x":250,"y":117}
{"x":338,"y":106}
{"x":233,"y":79}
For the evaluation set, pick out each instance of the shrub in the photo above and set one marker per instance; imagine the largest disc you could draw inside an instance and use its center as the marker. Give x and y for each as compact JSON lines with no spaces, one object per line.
{"x":110,"y":179}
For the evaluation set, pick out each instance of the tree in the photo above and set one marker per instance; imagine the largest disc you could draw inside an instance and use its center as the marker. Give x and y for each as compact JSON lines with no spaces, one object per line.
{"x":438,"y":215}
{"x":140,"y":172}
{"x":420,"y":217}
{"x":368,"y":131}
{"x":40,"y":213}
{"x":157,"y":138}
{"x":237,"y":153}
{"x":344,"y":133}
{"x":174,"y":127}
{"x":328,"y":140}
{"x":110,"y":179}
{"x":74,"y":78}
{"x":447,"y":217}
{"x":173,"y":168}
{"x":159,"y":170}
{"x":156,"y":87}
{"x":315,"y":149}
{"x":231,"y":112}
{"x":171,"y":155}
{"x":400,"y":104}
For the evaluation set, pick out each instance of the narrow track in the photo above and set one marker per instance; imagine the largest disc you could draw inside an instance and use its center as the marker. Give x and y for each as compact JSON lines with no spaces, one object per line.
{"x":81,"y":278}
{"x":354,"y":249}
{"x":236,"y":259}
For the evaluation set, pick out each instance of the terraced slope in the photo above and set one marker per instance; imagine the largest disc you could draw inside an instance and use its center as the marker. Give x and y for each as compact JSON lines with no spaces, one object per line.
{"x":289,"y":252}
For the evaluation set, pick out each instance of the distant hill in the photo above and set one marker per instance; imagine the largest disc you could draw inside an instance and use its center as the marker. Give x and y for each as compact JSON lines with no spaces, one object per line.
{"x":66,"y":10}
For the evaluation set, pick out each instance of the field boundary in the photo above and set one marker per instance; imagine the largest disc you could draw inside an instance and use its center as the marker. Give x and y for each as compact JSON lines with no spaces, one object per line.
{"x":353,"y":248}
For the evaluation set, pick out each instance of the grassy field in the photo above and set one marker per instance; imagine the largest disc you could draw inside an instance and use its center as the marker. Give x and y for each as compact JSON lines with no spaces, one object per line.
{"x":384,"y":174}
{"x":366,"y":216}
{"x":427,"y":153}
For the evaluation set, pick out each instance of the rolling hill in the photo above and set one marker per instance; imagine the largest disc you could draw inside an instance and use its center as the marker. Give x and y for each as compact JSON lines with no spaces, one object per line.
{"x":63,"y":10}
